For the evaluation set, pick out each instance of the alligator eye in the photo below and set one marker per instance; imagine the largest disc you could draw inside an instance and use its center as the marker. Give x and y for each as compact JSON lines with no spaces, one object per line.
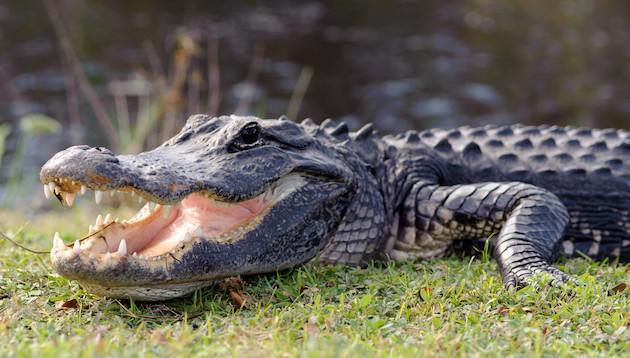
{"x":250,"y":134}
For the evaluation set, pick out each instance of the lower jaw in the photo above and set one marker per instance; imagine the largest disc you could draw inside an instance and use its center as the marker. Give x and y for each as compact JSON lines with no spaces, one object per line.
{"x":163,"y":291}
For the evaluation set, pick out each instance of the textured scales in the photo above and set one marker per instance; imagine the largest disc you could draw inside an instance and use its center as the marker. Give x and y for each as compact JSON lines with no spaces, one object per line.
{"x":588,"y":170}
{"x":347,"y":197}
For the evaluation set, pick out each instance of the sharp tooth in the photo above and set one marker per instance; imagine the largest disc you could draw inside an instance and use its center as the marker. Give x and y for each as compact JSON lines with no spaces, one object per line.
{"x":92,"y":256}
{"x":198,"y":232}
{"x":212,"y":200}
{"x":173,"y":252}
{"x":207,"y":195}
{"x":74,"y":183}
{"x":241,"y":229}
{"x":152,"y":206}
{"x":187,"y":238}
{"x":83,"y":189}
{"x":47,"y":191}
{"x":77,"y":248}
{"x":108,"y":256}
{"x":70,"y":198}
{"x":98,"y":196}
{"x":133,"y":193}
{"x":108,"y":219}
{"x":57,"y":190}
{"x":227,"y":205}
{"x":122,"y":248}
{"x":99,"y":221}
{"x":51,"y":186}
{"x":218,"y":204}
{"x":111,"y":193}
{"x":140,"y":200}
{"x":57,"y":243}
{"x":178,"y":204}
{"x":135,"y":255}
{"x":166,"y":210}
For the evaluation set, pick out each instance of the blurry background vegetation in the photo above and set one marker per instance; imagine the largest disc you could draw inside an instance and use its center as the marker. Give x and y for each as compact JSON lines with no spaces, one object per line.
{"x":126,"y":75}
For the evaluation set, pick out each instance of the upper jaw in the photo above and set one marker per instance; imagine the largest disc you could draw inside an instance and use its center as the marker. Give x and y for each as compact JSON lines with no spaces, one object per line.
{"x":165,"y":175}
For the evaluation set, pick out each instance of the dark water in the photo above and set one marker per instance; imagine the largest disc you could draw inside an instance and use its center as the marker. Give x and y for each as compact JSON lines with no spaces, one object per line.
{"x":399,"y":64}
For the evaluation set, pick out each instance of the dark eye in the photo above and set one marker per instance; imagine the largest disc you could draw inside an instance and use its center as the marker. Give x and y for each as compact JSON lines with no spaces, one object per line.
{"x":249,"y":137}
{"x":250,"y":134}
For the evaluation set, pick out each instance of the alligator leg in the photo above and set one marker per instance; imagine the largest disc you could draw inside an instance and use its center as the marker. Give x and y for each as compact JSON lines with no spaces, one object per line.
{"x":526,"y":223}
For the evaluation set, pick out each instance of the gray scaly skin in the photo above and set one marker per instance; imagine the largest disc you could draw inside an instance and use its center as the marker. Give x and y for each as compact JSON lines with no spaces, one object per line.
{"x":338,"y":197}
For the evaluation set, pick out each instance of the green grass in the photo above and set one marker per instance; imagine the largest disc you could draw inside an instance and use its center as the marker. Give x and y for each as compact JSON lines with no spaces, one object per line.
{"x":440,"y":307}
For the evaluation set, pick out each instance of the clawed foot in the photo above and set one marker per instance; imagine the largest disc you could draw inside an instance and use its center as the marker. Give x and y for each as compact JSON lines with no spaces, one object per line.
{"x":524,"y":276}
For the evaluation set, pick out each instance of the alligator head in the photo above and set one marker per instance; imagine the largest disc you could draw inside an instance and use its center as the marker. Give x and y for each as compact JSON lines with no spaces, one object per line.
{"x":226,"y":196}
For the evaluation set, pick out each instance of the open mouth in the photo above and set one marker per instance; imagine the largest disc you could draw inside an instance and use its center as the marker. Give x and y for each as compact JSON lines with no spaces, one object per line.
{"x":159,"y":231}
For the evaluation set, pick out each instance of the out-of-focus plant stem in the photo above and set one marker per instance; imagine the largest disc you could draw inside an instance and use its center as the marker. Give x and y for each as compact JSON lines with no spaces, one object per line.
{"x":82,"y":80}
{"x":250,"y":81}
{"x":301,"y":85}
{"x":214,"y":84}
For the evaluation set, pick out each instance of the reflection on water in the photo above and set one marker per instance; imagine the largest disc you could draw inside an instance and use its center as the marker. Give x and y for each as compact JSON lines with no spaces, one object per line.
{"x":400,"y":64}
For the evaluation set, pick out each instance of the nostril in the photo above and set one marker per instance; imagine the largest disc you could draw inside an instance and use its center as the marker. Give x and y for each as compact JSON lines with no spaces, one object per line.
{"x":103,"y":150}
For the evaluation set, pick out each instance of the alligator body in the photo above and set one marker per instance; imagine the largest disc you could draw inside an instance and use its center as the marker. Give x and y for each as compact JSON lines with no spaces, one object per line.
{"x":240,"y":195}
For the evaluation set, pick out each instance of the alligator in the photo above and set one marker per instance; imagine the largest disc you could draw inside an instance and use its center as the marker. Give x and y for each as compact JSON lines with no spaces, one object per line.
{"x":239,"y":195}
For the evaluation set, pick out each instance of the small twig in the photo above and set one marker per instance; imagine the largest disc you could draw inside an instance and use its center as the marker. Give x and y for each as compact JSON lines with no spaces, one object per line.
{"x":250,"y":81}
{"x":48,"y":252}
{"x":22,"y":246}
{"x":94,"y":233}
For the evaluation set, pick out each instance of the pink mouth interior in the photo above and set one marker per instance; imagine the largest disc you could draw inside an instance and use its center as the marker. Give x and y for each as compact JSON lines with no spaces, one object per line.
{"x":153,"y":235}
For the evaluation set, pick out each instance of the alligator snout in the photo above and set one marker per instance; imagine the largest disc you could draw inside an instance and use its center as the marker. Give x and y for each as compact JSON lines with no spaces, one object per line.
{"x":80,"y":162}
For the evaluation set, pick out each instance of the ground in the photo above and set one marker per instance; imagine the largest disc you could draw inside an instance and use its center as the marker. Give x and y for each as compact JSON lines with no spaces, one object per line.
{"x":439,"y":307}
